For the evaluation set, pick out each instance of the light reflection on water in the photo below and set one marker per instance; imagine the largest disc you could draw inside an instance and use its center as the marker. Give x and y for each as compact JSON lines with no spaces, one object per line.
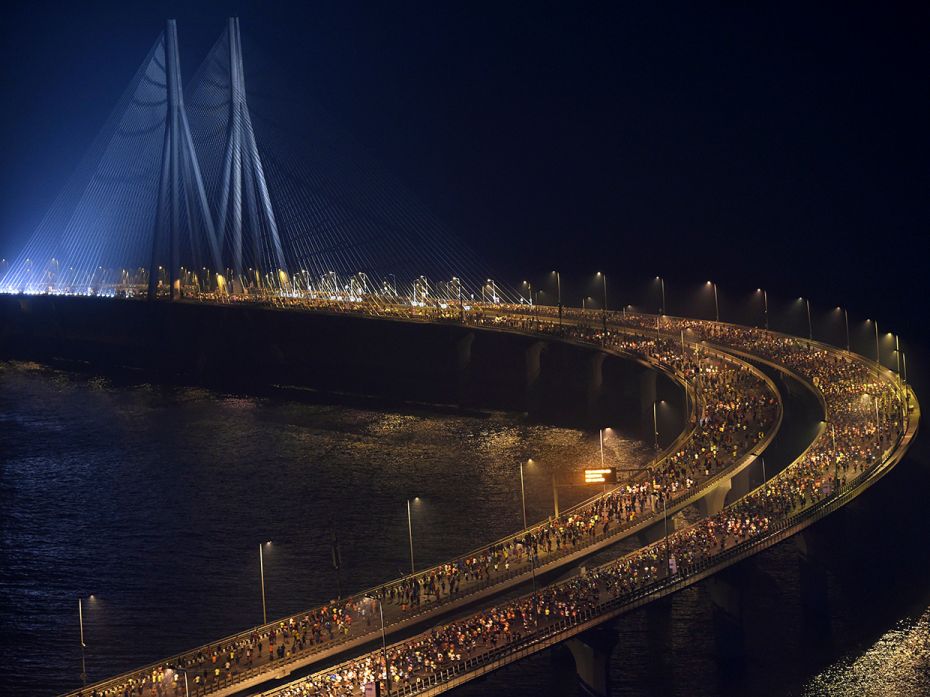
{"x":897,"y":664}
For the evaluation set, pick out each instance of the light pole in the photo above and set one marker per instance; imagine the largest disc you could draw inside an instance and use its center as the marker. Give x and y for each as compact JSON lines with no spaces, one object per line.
{"x":337,"y":565}
{"x":558,"y":288}
{"x":261,"y":567}
{"x":846,"y":319}
{"x":716,"y":304}
{"x":655,"y":424}
{"x":668,"y":557}
{"x":662,"y":289}
{"x":410,"y":533}
{"x":387,"y":671}
{"x":878,"y":355}
{"x":764,"y":478}
{"x":897,"y":354}
{"x":810,"y":327}
{"x":604,"y":279}
{"x":179,"y":669}
{"x":765,"y":305}
{"x":531,"y":551}
{"x":83,"y":645}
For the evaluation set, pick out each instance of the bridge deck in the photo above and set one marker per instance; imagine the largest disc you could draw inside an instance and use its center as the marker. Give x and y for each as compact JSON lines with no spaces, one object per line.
{"x":400,"y":612}
{"x":806,"y":491}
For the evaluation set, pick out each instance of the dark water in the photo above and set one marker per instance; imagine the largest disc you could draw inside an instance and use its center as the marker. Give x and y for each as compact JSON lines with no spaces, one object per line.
{"x":155,"y":499}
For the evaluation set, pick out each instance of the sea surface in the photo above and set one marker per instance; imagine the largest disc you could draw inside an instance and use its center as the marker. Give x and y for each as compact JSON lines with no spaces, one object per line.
{"x":154,"y":501}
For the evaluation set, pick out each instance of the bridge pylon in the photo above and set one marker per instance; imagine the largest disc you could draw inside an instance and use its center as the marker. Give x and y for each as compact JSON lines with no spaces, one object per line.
{"x":243,"y":188}
{"x":182,"y":199}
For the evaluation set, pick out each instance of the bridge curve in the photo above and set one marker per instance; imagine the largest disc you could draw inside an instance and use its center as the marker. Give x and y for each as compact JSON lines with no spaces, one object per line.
{"x":801,"y":494}
{"x":627,"y":342}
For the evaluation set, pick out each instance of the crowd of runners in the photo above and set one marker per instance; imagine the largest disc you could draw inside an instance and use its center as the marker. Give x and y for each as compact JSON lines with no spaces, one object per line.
{"x":865,"y":417}
{"x":735,"y":411}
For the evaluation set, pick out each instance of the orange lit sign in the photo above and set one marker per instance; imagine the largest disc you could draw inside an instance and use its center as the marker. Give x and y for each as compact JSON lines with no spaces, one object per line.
{"x":601,"y":476}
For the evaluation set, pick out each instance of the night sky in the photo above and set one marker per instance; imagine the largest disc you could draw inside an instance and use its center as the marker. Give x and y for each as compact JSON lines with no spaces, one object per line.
{"x":775,"y":145}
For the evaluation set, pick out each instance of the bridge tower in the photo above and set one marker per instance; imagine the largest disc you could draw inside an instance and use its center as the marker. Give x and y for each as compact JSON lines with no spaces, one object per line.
{"x":182,"y":199}
{"x":243,"y":185}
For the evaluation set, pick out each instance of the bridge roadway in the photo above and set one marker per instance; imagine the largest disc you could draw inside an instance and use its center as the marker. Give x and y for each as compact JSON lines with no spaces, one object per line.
{"x":871,"y":419}
{"x":577,"y":533}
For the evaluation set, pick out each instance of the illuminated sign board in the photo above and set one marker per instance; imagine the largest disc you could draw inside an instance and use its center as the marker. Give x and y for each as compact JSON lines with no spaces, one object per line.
{"x":604,"y":475}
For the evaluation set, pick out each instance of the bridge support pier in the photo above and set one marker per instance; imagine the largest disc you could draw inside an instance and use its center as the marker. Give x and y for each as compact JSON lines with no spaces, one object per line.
{"x":813,"y":545}
{"x":647,"y":398}
{"x":591,"y":651}
{"x":713,"y":503}
{"x":595,"y":384}
{"x":462,"y":359}
{"x":726,"y":592}
{"x":740,"y":485}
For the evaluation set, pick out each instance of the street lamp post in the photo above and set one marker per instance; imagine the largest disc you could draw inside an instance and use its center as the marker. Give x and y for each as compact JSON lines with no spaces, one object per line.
{"x":716,"y":303}
{"x":897,"y":354}
{"x":410,"y":535}
{"x":655,"y":424}
{"x":183,"y":671}
{"x":604,"y":279}
{"x":836,"y":462}
{"x":531,"y":550}
{"x":765,"y":306}
{"x":668,"y":557}
{"x":878,"y":354}
{"x":261,"y":567}
{"x":846,"y":319}
{"x":810,"y":327}
{"x":387,"y":671}
{"x":558,"y":287}
{"x":662,"y":288}
{"x":83,"y":645}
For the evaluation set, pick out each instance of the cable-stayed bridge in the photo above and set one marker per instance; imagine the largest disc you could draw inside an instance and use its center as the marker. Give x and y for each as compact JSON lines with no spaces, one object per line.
{"x":188,"y":194}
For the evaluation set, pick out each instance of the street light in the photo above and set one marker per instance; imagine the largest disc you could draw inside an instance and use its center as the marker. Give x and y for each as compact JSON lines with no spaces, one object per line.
{"x":846,"y":320}
{"x":387,"y":670}
{"x":83,"y":645}
{"x":523,"y":499}
{"x":897,"y":354}
{"x":662,"y":288}
{"x":179,"y":669}
{"x":765,"y":305}
{"x":878,"y":355}
{"x":261,"y":567}
{"x":810,"y":327}
{"x":410,"y":532}
{"x":716,"y":304}
{"x":655,"y":424}
{"x":604,"y":280}
{"x":558,"y":287}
